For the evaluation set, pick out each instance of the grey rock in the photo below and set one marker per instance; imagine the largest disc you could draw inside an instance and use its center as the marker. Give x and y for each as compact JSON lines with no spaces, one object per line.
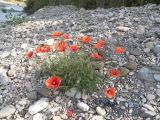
{"x":97,"y":117}
{"x":4,"y":54}
{"x":148,"y":114}
{"x":157,"y":20}
{"x":1,"y":99}
{"x":149,"y":45}
{"x":146,"y":74}
{"x":82,"y":106}
{"x":140,"y":30}
{"x":7,"y":111}
{"x":158,"y":92}
{"x":123,"y":29}
{"x":44,"y":91}
{"x":71,"y":93}
{"x":4,"y":80}
{"x":136,"y":51}
{"x":39,"y":116}
{"x":149,"y":107}
{"x":38,"y":106}
{"x":131,"y":65}
{"x":157,"y":77}
{"x":32,"y":95}
{"x":124,"y":71}
{"x":101,"y":111}
{"x":156,"y":50}
{"x":150,"y":96}
{"x":11,"y":72}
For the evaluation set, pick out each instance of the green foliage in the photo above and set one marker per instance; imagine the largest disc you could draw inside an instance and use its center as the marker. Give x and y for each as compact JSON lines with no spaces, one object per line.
{"x":75,"y":70}
{"x":33,"y":5}
{"x":14,"y":19}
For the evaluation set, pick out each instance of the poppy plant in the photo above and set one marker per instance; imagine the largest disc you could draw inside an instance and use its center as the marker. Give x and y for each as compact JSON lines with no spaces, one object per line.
{"x":96,"y":56}
{"x":70,"y":113}
{"x":86,"y":39}
{"x":61,"y":46}
{"x":38,"y":49}
{"x":56,"y":34}
{"x":114,"y":73}
{"x":110,"y":92}
{"x":53,"y":82}
{"x":65,"y":36}
{"x":119,"y":50}
{"x":29,"y":54}
{"x":99,"y":44}
{"x":45,"y":48}
{"x":74,"y":48}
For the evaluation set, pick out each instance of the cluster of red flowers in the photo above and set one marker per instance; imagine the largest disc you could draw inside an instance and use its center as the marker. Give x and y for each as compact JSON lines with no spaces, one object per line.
{"x":61,"y":46}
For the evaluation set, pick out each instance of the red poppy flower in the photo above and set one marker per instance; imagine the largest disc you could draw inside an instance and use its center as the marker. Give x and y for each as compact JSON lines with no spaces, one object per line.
{"x":70,"y":113}
{"x":53,"y":82}
{"x":29,"y":54}
{"x":61,"y":46}
{"x":46,"y":48}
{"x":99,"y":44}
{"x":114,"y":73}
{"x":110,"y":92}
{"x":56,"y":34}
{"x":65,"y":36}
{"x":74,"y":48}
{"x":86,"y":39}
{"x":96,"y":56}
{"x":38,"y":49}
{"x":119,"y":50}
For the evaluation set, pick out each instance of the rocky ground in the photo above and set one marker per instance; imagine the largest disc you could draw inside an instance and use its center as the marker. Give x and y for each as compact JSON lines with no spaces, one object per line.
{"x":138,"y":97}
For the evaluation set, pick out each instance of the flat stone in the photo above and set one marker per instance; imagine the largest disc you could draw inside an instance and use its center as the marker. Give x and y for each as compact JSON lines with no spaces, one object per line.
{"x":101,"y":111}
{"x":7,"y":111}
{"x":148,"y":114}
{"x":150,"y":96}
{"x":156,"y":50}
{"x":123,"y":29}
{"x":149,"y":107}
{"x":38,"y":106}
{"x":140,"y":30}
{"x":39,"y":116}
{"x":32,"y":95}
{"x":11,"y":72}
{"x":158,"y":92}
{"x":71,"y":93}
{"x":146,"y":74}
{"x":24,"y":46}
{"x":4,"y":79}
{"x":157,"y":20}
{"x":131,"y":65}
{"x":149,"y":45}
{"x":44,"y":92}
{"x":82,"y":106}
{"x":56,"y":118}
{"x":4,"y":54}
{"x":136,"y":52}
{"x":124,"y":71}
{"x":97,"y":117}
{"x":157,"y":77}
